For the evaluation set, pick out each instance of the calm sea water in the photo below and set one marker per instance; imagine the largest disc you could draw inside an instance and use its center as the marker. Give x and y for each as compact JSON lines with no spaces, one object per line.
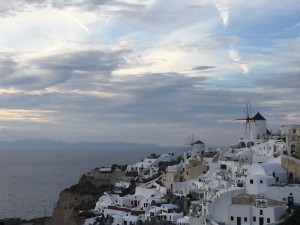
{"x":31,"y":180}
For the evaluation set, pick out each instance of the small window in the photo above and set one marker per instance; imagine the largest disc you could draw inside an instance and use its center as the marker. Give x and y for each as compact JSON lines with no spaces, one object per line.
{"x":232,"y":218}
{"x":254,"y":218}
{"x":251,"y":181}
{"x":261,"y":181}
{"x":268,"y":220}
{"x":261,"y":212}
{"x":245,"y":219}
{"x":187,"y":172}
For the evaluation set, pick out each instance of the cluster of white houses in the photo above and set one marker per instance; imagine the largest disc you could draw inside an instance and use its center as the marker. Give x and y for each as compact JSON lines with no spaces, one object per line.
{"x":251,"y":183}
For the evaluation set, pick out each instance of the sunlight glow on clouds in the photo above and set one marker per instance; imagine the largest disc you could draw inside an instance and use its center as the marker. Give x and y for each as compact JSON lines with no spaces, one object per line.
{"x":91,"y":70}
{"x":36,"y":116}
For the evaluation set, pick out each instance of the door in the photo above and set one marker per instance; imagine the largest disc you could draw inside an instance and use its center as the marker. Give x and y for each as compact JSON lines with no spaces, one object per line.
{"x":261,"y":221}
{"x":238,"y":221}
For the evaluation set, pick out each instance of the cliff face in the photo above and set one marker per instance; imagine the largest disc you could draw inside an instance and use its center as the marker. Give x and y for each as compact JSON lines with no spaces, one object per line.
{"x":79,"y":197}
{"x":75,"y":202}
{"x":65,"y":212}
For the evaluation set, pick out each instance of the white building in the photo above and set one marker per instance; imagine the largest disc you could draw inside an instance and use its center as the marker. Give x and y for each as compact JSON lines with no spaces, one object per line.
{"x":261,"y":176}
{"x":255,"y":210}
{"x":165,"y":212}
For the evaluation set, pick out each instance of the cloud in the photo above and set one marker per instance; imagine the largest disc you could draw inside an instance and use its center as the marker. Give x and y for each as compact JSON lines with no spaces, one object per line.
{"x":223,"y":10}
{"x":203,"y":67}
{"x":104,"y":61}
{"x":36,"y":116}
{"x":170,"y":76}
{"x":235,"y":57}
{"x":269,"y":82}
{"x":77,"y":21}
{"x":7,"y":66}
{"x":46,"y":71}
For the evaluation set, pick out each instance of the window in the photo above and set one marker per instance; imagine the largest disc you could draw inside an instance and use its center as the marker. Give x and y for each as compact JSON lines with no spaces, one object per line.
{"x":187,"y":172}
{"x":245,"y":219}
{"x":232,"y":218}
{"x":254,"y":218}
{"x":261,"y":212}
{"x":251,"y":181}
{"x":268,"y":220}
{"x":261,"y":181}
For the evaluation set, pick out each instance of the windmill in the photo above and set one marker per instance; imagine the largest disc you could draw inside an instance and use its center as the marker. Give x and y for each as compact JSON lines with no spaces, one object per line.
{"x":247,"y":118}
{"x":190,"y":140}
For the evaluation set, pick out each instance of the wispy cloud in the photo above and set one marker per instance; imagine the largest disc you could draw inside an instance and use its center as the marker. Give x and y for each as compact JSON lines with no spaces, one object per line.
{"x":76,"y":21}
{"x":203,"y":67}
{"x":23,"y":115}
{"x":235,"y":57}
{"x":223,"y":10}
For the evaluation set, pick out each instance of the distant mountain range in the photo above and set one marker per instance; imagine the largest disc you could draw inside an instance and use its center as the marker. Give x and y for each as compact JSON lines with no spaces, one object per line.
{"x":54,"y":144}
{"x":51,"y":144}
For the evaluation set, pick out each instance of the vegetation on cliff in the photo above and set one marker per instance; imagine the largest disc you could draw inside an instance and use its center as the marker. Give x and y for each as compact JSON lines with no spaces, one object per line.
{"x":163,"y":165}
{"x":294,"y":218}
{"x":88,"y":188}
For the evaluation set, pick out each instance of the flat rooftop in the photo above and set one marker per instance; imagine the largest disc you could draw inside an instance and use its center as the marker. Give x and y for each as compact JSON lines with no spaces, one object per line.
{"x":246,"y":199}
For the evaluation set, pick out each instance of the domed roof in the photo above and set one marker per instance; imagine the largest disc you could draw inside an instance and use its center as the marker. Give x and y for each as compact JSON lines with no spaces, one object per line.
{"x":266,"y":169}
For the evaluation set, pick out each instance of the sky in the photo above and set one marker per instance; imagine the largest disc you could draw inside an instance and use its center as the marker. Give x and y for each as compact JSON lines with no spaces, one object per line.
{"x":146,"y":71}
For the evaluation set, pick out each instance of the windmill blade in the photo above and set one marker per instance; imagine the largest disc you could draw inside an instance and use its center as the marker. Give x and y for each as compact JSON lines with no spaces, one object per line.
{"x":245,"y":129}
{"x":248,"y":111}
{"x":248,"y":127}
{"x":247,"y":118}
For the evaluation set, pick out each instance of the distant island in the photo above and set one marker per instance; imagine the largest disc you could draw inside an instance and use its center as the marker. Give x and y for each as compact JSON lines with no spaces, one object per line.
{"x":54,"y":144}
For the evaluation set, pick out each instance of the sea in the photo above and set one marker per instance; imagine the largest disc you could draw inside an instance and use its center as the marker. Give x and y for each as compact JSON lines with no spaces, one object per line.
{"x":31,"y":180}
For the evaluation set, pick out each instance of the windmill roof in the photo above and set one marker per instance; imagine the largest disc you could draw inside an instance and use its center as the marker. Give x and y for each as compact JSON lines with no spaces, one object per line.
{"x":258,"y":117}
{"x":198,"y":142}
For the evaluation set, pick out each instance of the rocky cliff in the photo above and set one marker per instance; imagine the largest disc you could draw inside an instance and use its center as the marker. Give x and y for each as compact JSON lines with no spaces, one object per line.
{"x":74,"y":202}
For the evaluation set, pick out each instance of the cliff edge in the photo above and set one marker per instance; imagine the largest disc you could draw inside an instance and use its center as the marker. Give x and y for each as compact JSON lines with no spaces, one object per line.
{"x":74,"y":202}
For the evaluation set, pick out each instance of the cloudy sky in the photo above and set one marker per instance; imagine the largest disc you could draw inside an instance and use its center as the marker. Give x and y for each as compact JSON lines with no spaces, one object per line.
{"x":146,"y":71}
